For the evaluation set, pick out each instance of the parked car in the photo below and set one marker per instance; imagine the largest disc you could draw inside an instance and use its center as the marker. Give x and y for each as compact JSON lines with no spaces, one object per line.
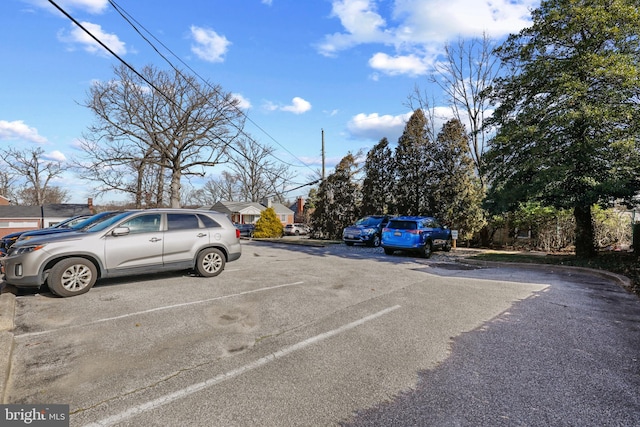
{"x":131,"y":242}
{"x":246,"y":230}
{"x":421,"y":234}
{"x":367,"y":230}
{"x":8,"y":240}
{"x":85,"y":223}
{"x":296,"y":229}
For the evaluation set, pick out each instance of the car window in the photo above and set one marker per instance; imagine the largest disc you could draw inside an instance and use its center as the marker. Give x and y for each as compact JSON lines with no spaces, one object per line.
{"x":143,"y":224}
{"x":208,"y":221}
{"x":403,"y":225}
{"x":182,"y":222}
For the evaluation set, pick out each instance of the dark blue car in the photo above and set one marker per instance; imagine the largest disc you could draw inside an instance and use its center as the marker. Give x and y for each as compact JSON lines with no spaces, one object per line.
{"x":85,"y":223}
{"x":419,"y":234}
{"x":367,"y":230}
{"x":8,"y":240}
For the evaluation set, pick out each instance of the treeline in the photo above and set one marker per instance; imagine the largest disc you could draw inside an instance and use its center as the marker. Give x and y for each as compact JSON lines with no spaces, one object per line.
{"x":423,"y":175}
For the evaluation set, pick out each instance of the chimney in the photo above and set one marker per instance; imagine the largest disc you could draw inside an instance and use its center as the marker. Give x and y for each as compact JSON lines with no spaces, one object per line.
{"x":90,"y":204}
{"x":300,"y":206}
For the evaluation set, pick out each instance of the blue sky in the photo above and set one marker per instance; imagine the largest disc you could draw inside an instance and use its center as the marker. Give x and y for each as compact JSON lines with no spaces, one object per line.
{"x":299,"y":66}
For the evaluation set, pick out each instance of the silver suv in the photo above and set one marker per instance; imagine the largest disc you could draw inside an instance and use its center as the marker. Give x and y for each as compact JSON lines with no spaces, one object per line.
{"x":132,"y":242}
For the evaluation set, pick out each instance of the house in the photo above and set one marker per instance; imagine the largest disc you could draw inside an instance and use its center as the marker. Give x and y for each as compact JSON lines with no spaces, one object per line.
{"x":249,"y":212}
{"x":25,"y":218}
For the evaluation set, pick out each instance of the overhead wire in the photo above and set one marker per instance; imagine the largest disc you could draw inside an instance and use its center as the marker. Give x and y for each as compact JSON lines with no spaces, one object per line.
{"x":147,"y":81}
{"x":131,"y":20}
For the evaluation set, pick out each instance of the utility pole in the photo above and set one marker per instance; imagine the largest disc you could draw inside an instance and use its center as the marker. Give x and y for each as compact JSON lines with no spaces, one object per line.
{"x":322,"y":154}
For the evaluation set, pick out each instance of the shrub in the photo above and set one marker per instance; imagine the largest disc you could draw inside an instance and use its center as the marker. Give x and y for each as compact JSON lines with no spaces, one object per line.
{"x":268,"y":225}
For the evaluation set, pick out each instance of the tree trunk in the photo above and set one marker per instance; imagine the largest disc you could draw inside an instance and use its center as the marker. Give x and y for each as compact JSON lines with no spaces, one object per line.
{"x":584,"y":232}
{"x":175,"y":189}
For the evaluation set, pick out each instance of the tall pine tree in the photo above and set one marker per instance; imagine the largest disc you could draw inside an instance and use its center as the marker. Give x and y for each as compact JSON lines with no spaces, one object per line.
{"x":413,"y":162}
{"x":337,"y":201}
{"x":378,"y":180}
{"x":458,"y":196}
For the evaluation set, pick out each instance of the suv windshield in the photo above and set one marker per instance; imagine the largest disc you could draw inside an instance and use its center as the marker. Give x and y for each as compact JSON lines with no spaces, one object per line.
{"x":369,"y":221}
{"x":403,"y":225}
{"x":107,"y":222}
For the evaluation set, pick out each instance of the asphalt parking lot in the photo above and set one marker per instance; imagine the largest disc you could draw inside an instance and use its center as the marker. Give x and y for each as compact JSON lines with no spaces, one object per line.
{"x":305,"y":335}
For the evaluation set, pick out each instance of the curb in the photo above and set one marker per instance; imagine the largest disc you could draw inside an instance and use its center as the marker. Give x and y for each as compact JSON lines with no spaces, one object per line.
{"x":621,"y":280}
{"x":7,"y":312}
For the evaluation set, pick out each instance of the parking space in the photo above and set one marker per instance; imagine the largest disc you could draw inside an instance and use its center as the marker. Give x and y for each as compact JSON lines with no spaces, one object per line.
{"x":326,"y":330}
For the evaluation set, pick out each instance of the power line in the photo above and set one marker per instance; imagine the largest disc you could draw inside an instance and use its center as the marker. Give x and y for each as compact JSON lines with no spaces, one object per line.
{"x":155,"y":88}
{"x":131,"y":20}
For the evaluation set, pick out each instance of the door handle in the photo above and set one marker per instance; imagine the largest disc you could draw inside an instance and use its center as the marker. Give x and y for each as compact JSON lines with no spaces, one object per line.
{"x":202,"y":235}
{"x":155,"y":239}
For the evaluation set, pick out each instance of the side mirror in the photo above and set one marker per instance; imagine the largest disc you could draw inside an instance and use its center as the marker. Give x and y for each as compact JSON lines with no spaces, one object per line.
{"x":120,"y":231}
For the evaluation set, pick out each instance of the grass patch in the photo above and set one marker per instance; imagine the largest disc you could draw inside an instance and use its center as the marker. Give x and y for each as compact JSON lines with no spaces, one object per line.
{"x":626,"y":264}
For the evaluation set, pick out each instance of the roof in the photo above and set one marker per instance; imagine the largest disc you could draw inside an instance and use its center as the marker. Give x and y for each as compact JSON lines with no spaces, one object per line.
{"x":248,"y":208}
{"x":245,"y":208}
{"x":281,"y":209}
{"x":60,"y":210}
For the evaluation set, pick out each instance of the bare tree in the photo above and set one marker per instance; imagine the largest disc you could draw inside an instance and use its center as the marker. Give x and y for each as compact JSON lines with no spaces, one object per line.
{"x":467,"y":72}
{"x":36,"y":174}
{"x":7,"y":182}
{"x":259,"y":174}
{"x":164,"y":120}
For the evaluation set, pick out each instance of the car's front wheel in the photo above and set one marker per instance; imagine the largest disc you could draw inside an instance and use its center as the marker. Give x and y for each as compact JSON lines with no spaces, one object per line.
{"x":375,"y":241}
{"x":210,"y":262}
{"x":72,"y":276}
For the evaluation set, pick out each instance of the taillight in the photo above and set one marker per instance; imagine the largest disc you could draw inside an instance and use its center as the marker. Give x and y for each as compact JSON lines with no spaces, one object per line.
{"x":412,"y":231}
{"x":237,"y":233}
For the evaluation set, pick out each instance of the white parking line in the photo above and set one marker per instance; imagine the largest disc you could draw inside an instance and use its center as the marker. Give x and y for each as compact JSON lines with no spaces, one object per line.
{"x":152,"y":310}
{"x":168,"y":398}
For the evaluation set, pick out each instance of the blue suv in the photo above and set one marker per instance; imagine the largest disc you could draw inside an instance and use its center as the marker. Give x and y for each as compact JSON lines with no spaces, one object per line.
{"x":421,"y":234}
{"x":366,"y":230}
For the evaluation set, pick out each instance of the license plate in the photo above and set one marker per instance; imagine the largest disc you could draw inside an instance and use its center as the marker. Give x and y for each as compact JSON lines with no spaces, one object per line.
{"x":397,"y":233}
{"x":350,"y":236}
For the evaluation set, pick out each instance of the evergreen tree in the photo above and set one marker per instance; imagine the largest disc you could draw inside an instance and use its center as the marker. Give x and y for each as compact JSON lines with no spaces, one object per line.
{"x":413,"y":165}
{"x":458,"y":194}
{"x":378,"y":180}
{"x":569,"y":116}
{"x":337,"y":201}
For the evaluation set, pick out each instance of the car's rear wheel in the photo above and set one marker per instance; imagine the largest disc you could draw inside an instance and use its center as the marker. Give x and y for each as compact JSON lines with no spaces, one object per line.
{"x":210,"y":262}
{"x":426,"y":250}
{"x":447,"y":246}
{"x":388,"y":251}
{"x":72,"y":276}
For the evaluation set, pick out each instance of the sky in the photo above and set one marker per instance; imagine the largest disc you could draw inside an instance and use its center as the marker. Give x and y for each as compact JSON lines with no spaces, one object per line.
{"x":299,"y":67}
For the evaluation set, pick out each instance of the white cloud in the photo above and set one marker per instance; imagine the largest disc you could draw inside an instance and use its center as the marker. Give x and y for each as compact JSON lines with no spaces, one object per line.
{"x":297,"y":106}
{"x":416,"y":30}
{"x":267,"y":2}
{"x":244,"y":103}
{"x":90,"y":6}
{"x":361,"y":21}
{"x":18,"y":130}
{"x":55,"y":155}
{"x":374,"y":126}
{"x":411,"y":65}
{"x":78,"y":36}
{"x":209,"y":45}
